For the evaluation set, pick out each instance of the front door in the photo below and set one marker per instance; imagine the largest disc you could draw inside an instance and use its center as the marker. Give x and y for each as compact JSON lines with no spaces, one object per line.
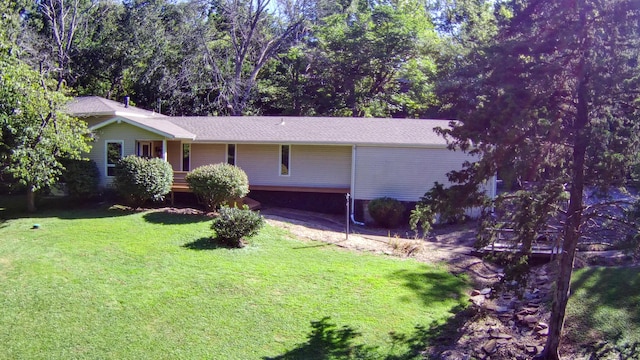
{"x":144,"y":149}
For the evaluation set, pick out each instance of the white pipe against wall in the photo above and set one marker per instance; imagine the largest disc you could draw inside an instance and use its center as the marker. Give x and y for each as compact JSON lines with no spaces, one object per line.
{"x":353,"y":186}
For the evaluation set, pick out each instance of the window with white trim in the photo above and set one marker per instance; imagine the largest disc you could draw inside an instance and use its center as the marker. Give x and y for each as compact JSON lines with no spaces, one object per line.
{"x":231,"y":154}
{"x":285,"y":160}
{"x":114,"y":151}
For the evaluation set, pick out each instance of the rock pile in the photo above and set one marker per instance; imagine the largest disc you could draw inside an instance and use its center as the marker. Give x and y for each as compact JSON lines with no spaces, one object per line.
{"x":506,"y":326}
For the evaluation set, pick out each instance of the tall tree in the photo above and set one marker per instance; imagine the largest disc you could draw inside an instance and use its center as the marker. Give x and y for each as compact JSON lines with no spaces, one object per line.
{"x":554,"y":98}
{"x":34,"y":131}
{"x":246,"y":36}
{"x":372,"y":59}
{"x":63,"y":19}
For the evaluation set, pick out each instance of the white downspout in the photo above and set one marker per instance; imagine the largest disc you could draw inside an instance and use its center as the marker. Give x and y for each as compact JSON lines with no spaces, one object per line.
{"x":353,"y":186}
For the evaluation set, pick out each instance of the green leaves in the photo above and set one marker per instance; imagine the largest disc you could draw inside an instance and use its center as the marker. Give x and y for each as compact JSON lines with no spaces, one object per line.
{"x":35,"y":132}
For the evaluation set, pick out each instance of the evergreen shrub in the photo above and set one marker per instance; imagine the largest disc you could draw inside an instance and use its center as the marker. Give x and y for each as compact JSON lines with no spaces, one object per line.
{"x":386,"y":211}
{"x":233,"y":224}
{"x":218,"y":183}
{"x":81,"y":177}
{"x":139,"y":179}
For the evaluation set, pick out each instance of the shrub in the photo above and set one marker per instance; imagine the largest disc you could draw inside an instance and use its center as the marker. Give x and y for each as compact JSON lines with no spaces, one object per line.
{"x":139,"y":179}
{"x":386,"y":211}
{"x":82,"y":178}
{"x":215,"y":184}
{"x":233,"y":224}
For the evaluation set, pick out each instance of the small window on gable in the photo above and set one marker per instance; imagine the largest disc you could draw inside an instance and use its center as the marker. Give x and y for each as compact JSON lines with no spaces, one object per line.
{"x":114,"y":151}
{"x":186,"y":157}
{"x":231,"y":154}
{"x":285,"y":160}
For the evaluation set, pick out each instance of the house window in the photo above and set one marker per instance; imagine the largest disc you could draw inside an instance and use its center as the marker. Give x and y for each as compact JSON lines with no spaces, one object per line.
{"x":231,"y":154}
{"x":144,"y":149}
{"x":285,"y":160}
{"x":114,"y":154}
{"x":186,"y":157}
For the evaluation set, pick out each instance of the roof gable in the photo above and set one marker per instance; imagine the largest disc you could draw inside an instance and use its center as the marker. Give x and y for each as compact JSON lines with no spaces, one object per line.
{"x":156,"y":126}
{"x":86,"y":106}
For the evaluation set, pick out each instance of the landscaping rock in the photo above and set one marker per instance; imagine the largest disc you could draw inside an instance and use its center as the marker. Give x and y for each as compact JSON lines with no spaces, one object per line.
{"x":477,"y":300}
{"x":530,"y":319}
{"x":490,"y":347}
{"x":485,"y":291}
{"x":543,"y":332}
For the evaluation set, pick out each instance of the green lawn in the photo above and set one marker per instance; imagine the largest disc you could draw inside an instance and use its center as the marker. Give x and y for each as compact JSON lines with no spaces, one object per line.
{"x":109,"y":284}
{"x":604,"y":311}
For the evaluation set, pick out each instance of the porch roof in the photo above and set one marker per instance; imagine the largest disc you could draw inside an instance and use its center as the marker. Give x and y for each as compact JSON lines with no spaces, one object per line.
{"x":158,"y":126}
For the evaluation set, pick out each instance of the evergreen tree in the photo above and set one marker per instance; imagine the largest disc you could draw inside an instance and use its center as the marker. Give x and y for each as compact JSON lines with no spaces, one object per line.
{"x":553,"y":99}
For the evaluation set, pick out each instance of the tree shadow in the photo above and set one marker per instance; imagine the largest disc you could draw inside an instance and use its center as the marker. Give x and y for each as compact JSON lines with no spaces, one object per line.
{"x":206,"y":243}
{"x":432,"y":285}
{"x":606,"y":319}
{"x":328,"y":341}
{"x":14,"y":207}
{"x":165,"y":218}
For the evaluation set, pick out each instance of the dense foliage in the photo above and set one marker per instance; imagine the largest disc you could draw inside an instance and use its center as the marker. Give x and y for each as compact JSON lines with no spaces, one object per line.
{"x":234,"y":224}
{"x":552,"y":99}
{"x":81,"y":177}
{"x":386,"y":211}
{"x":139,"y":179}
{"x":217,"y":183}
{"x":241,"y":57}
{"x":35,"y":133}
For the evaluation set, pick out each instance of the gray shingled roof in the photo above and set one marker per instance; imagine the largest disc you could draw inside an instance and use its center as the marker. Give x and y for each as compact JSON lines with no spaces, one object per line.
{"x":97,"y":106}
{"x":313,"y":130}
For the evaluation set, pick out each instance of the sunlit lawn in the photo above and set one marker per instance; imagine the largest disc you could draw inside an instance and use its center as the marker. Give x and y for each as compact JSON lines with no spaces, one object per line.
{"x":604,"y":311}
{"x":97,"y":283}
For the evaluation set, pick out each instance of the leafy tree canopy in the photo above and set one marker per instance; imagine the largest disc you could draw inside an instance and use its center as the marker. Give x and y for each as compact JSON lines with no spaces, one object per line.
{"x":35,"y":133}
{"x":553,"y":100}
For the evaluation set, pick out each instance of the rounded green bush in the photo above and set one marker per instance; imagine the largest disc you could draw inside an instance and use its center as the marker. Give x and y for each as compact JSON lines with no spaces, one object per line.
{"x":139,"y":179}
{"x":233,"y":224}
{"x":215,"y":184}
{"x":81,"y":177}
{"x":386,"y":211}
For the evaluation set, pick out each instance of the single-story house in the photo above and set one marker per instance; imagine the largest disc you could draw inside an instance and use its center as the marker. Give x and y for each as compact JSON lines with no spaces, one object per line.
{"x":321,"y":157}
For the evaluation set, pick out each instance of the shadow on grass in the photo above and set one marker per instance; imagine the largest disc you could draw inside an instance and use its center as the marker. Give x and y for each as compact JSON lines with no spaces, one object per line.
{"x":164,"y":218}
{"x":328,"y":341}
{"x":14,"y":207}
{"x":433,"y":285}
{"x":206,"y":243}
{"x":607,"y":320}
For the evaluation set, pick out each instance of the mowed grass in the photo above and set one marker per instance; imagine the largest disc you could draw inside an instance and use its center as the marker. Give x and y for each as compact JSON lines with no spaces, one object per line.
{"x":110,"y":284}
{"x":604,"y":311}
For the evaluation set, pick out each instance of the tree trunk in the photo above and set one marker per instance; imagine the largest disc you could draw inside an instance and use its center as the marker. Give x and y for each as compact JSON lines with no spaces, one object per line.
{"x":31,"y":199}
{"x":571,"y":230}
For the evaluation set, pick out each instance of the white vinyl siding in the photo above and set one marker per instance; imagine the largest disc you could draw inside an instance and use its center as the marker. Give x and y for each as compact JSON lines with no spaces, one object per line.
{"x":174,"y":154}
{"x":206,"y":154}
{"x":310,"y":165}
{"x":402,"y":173}
{"x":121,"y":132}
